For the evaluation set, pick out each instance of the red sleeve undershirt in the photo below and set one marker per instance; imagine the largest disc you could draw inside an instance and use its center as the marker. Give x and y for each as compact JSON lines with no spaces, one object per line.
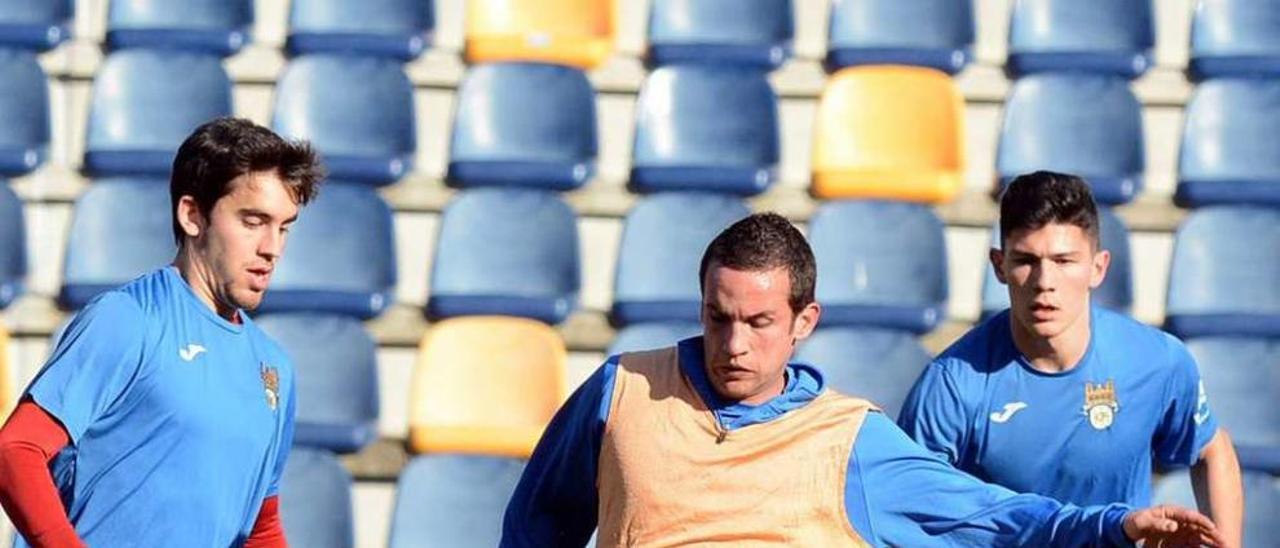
{"x":28,"y":441}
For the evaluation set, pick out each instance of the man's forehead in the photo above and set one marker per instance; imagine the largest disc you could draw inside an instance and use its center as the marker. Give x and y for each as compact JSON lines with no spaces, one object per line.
{"x":1057,"y":235}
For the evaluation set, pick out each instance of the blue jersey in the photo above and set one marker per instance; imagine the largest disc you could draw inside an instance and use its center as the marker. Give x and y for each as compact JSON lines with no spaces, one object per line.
{"x":1087,"y":435}
{"x":895,"y":492}
{"x":180,"y":421}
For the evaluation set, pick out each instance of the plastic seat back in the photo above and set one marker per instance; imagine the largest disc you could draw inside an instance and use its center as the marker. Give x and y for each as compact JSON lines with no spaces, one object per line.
{"x":1242,"y":383}
{"x":13,"y":246}
{"x":577,"y":33}
{"x":38,"y":25}
{"x":453,"y":500}
{"x":1235,"y":38}
{"x":315,"y":500}
{"x":1099,"y":36}
{"x":937,"y":34}
{"x":1228,"y":155}
{"x":220,"y":27}
{"x":1222,"y":280}
{"x":398,"y":29}
{"x":120,"y":229}
{"x":880,"y":365}
{"x":24,"y":113}
{"x":750,"y":33}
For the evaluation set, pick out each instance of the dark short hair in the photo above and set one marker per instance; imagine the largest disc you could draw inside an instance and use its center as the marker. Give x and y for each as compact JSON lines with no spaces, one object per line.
{"x":1034,"y":200}
{"x":225,"y":148}
{"x":765,"y":241}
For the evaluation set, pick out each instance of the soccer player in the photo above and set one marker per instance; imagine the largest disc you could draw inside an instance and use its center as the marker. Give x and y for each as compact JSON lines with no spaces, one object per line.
{"x":1059,"y":397}
{"x":720,"y":441}
{"x":164,"y":415}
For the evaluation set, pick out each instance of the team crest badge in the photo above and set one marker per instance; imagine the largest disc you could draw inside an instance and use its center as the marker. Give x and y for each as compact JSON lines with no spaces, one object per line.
{"x":271,"y":385}
{"x":1100,"y":404}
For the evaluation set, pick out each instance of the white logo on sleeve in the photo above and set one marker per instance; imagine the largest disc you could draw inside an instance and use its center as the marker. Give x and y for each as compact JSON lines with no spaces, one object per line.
{"x":1202,"y":406}
{"x":1009,"y":410}
{"x":190,"y":352}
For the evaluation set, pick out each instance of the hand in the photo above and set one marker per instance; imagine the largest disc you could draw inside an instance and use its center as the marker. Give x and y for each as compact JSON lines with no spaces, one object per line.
{"x":1168,"y":526}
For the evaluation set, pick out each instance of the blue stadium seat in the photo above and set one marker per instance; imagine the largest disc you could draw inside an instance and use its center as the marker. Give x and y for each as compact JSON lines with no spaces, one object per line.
{"x":1235,"y":38}
{"x":647,"y":336}
{"x":880,"y":365}
{"x":120,"y":229}
{"x":453,"y":500}
{"x":38,"y":25}
{"x":1100,"y":36}
{"x":145,"y":103}
{"x":340,"y":256}
{"x":1116,"y":291}
{"x":663,"y":239}
{"x":1222,"y":280}
{"x":220,"y":27}
{"x":880,"y":264}
{"x":1229,"y":153}
{"x":929,"y":33}
{"x":506,"y":251}
{"x":751,"y":33}
{"x":1085,"y":124}
{"x":315,"y":500}
{"x":337,"y":372}
{"x":705,"y":128}
{"x":1262,"y":504}
{"x":24,"y":113}
{"x":399,"y":29}
{"x":365,"y":133}
{"x":503,"y":135}
{"x":1242,"y":380}
{"x":13,"y":246}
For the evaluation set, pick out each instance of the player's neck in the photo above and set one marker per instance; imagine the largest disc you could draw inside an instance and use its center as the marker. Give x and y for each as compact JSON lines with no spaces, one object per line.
{"x":1056,"y":354}
{"x":199,"y":277}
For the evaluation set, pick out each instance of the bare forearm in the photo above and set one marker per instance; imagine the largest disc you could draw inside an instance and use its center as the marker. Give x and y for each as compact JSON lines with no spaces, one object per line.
{"x":1217,"y":483}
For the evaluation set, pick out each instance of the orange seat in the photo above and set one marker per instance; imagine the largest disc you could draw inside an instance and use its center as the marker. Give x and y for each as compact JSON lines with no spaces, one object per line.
{"x":485,"y":385}
{"x":889,"y":132}
{"x":577,"y":33}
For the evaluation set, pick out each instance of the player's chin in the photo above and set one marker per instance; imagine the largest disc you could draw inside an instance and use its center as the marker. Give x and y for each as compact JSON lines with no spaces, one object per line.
{"x":248,"y":299}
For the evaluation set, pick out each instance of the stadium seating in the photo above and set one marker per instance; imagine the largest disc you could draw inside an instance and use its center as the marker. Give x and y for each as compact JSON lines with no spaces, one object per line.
{"x":145,"y":103}
{"x":506,"y":251}
{"x":1262,"y":504}
{"x":1222,"y":280}
{"x":120,"y":229}
{"x":1229,"y":155}
{"x":647,"y":336}
{"x":13,"y":246}
{"x":503,"y":135}
{"x":24,"y":113}
{"x":880,"y":365}
{"x":337,"y":375}
{"x":663,"y":240}
{"x":453,"y":500}
{"x":1242,"y":381}
{"x":1116,"y":291}
{"x":1100,"y":36}
{"x":1235,"y":38}
{"x":35,"y":24}
{"x":1084,"y":124}
{"x":751,"y":33}
{"x":7,"y":394}
{"x":365,"y":133}
{"x":220,"y":27}
{"x":485,"y":385}
{"x":315,"y":500}
{"x":577,"y":33}
{"x":340,"y":256}
{"x":869,"y":276}
{"x":930,"y":33}
{"x":704,"y":127}
{"x":399,"y":29}
{"x":889,"y":132}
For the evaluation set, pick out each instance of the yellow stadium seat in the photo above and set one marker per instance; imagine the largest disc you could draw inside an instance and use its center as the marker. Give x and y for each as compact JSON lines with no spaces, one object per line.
{"x":577,"y":33}
{"x":485,"y":385}
{"x":889,"y":132}
{"x":6,"y":387}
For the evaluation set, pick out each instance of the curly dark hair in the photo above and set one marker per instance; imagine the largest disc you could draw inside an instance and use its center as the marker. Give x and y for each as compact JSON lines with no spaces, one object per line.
{"x":765,"y":241}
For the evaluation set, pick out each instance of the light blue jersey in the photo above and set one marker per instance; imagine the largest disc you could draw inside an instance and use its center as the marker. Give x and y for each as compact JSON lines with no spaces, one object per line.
{"x":1088,"y":435}
{"x":180,"y":421}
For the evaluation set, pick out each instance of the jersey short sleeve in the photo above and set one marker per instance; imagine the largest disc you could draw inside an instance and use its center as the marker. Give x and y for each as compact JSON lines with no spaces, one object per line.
{"x":934,"y":414}
{"x":1187,"y":424}
{"x":93,"y":364}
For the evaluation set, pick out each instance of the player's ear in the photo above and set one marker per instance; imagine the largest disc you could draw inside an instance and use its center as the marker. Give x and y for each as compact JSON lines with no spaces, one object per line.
{"x":996,"y":257}
{"x":805,"y":322}
{"x":189,"y":217}
{"x":1101,"y":261}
